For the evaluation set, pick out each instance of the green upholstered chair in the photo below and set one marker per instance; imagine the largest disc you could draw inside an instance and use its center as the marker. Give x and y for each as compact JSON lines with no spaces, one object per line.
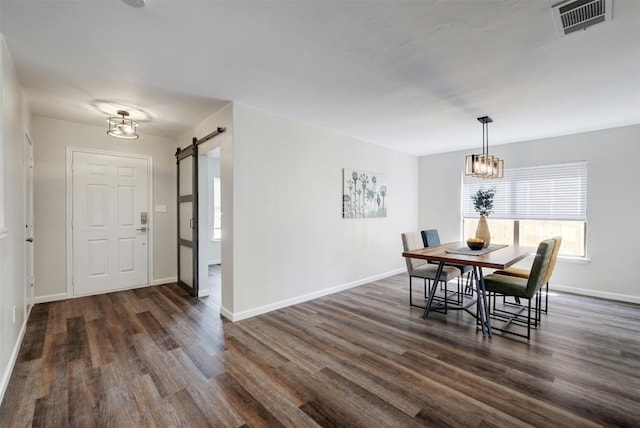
{"x":523,"y":288}
{"x":524,"y":273}
{"x":417,"y":268}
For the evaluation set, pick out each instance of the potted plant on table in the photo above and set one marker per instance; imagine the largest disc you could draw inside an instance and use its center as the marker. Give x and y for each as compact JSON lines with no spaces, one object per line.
{"x":483,"y":204}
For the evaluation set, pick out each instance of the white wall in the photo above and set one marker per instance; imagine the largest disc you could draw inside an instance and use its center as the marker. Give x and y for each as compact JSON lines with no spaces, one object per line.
{"x":290,"y":240}
{"x":51,"y":137}
{"x":613,"y":203}
{"x":13,"y":122}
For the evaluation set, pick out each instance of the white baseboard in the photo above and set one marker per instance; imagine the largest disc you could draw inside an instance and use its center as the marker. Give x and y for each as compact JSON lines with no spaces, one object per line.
{"x":50,"y":298}
{"x":299,"y":299}
{"x":6,"y":376}
{"x":295,"y":300}
{"x":594,"y":293}
{"x":64,"y":296}
{"x":226,"y":313}
{"x":161,"y":281}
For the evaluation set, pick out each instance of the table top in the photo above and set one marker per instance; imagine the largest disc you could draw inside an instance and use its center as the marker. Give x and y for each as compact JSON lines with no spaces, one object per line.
{"x":498,"y":259}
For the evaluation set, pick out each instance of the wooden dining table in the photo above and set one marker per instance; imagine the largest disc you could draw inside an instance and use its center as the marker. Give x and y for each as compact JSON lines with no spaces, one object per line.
{"x":449,"y":254}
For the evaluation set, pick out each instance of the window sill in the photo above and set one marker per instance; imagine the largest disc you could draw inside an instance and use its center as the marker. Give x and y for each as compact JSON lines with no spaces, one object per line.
{"x":570,"y":260}
{"x":574,"y":260}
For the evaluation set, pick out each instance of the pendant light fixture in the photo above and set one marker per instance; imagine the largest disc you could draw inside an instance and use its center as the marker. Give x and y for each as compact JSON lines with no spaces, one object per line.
{"x":122,"y":127}
{"x":484,"y":165}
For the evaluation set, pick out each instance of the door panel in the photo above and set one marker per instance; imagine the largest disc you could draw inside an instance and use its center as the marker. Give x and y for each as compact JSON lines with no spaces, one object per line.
{"x":110,"y":249}
{"x":97,"y":257}
{"x":187,"y":223}
{"x":186,"y":214}
{"x":186,"y":265}
{"x":126,"y":205}
{"x":126,"y":254}
{"x":185,"y":184}
{"x":97,"y":205}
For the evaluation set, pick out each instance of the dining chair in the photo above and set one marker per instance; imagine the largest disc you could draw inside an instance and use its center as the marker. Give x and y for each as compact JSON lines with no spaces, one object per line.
{"x":431,"y":238}
{"x":524,"y":273}
{"x":523,"y":288}
{"x":417,"y":268}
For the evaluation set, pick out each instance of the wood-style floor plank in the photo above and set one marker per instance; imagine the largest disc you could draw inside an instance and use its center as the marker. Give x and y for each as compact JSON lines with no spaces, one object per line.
{"x":24,"y":386}
{"x":155,"y":357}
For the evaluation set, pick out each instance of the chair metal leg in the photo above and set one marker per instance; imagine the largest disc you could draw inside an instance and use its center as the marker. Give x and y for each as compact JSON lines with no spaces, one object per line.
{"x":446,"y":297}
{"x":533,"y":317}
{"x":410,"y":291}
{"x":538,"y":307}
{"x":529,"y":321}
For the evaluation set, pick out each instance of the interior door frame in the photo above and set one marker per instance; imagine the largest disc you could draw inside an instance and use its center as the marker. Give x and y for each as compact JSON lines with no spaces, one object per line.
{"x":29,"y":218}
{"x":69,"y":201}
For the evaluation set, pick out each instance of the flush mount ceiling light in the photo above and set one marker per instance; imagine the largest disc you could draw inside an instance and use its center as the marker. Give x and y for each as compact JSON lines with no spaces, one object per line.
{"x":483,"y":165}
{"x":122,"y":127}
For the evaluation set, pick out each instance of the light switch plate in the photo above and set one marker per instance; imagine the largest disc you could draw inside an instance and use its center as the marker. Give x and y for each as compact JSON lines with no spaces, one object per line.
{"x":161,"y":208}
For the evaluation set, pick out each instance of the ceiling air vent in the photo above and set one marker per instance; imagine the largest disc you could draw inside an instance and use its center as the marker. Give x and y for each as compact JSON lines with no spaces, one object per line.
{"x":573,"y":15}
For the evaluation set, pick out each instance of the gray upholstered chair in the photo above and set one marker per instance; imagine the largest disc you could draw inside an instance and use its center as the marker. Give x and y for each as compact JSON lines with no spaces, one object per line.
{"x":431,"y":238}
{"x":523,"y":288}
{"x":417,"y":268}
{"x":524,"y":273}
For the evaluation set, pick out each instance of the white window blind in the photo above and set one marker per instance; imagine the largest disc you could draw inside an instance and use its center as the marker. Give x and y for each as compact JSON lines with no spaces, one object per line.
{"x":550,"y":192}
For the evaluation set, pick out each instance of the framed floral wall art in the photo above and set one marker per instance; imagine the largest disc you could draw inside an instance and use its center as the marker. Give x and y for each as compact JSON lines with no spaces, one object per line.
{"x":364,"y":194}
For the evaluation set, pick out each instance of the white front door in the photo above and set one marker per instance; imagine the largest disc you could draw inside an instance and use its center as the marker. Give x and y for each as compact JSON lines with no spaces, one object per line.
{"x":110,"y":222}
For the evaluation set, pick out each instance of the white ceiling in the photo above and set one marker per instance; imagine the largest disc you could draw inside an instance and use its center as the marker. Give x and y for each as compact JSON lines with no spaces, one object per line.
{"x":412,"y":76}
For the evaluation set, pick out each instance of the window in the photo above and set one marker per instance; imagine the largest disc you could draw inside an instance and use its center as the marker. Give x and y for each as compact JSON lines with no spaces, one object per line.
{"x":217,"y":212}
{"x":532,"y":204}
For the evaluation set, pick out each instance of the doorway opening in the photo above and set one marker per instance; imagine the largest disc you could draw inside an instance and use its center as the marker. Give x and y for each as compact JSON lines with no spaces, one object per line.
{"x":210,"y":218}
{"x":193,"y":223}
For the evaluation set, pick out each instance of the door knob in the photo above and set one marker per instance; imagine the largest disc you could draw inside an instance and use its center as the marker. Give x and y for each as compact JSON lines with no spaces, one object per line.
{"x":29,"y":239}
{"x":142,"y":229}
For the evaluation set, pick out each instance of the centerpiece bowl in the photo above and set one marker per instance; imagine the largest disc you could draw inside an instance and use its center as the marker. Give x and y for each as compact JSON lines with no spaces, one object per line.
{"x":475,"y":243}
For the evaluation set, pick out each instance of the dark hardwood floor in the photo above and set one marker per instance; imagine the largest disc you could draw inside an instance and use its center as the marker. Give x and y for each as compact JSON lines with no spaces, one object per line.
{"x":156,"y":357}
